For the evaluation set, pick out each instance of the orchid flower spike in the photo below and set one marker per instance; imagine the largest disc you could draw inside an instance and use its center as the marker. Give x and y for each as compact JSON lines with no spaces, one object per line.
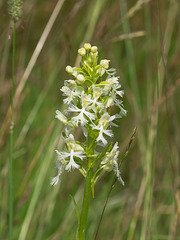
{"x":89,"y":95}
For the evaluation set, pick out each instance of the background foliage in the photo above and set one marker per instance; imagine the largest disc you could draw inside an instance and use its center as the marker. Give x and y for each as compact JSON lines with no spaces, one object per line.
{"x":141,"y":38}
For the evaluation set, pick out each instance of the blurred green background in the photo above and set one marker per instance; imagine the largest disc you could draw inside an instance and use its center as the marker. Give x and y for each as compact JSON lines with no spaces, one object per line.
{"x":142,"y":40}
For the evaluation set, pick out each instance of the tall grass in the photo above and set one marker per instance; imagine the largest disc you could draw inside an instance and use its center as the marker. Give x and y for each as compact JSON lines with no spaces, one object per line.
{"x":148,"y":206}
{"x":11,"y":142}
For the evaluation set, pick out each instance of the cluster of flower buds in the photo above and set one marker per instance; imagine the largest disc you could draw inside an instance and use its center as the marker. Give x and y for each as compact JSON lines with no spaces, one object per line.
{"x":15,"y":9}
{"x":90,"y":95}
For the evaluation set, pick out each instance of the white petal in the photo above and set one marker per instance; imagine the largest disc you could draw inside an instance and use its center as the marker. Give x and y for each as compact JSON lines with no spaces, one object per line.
{"x":54,"y":181}
{"x":116,"y":170}
{"x":101,"y":138}
{"x":120,"y":93}
{"x":72,"y":164}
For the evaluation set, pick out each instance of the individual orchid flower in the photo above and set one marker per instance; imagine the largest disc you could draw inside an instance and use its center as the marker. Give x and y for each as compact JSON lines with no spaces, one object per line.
{"x":110,"y":162}
{"x":69,"y":157}
{"x":91,"y":103}
{"x":110,"y":83}
{"x":69,"y":91}
{"x":102,"y":131}
{"x":82,"y":113}
{"x":71,"y":143}
{"x":102,"y":125}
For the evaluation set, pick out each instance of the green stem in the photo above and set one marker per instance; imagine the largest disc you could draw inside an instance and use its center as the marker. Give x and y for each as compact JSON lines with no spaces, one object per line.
{"x":11,"y":143}
{"x":85,"y":206}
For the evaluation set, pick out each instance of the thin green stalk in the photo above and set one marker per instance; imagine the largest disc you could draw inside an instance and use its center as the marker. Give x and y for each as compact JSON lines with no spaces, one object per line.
{"x":85,"y":206}
{"x":87,"y":192}
{"x":11,"y":142}
{"x":154,"y":156}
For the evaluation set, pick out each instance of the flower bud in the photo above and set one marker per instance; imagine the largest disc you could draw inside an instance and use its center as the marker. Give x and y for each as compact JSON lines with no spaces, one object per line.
{"x":69,"y":69}
{"x":109,"y":102}
{"x":104,"y":63}
{"x":94,"y":49}
{"x":61,"y":117}
{"x":82,"y":51}
{"x":80,"y":78}
{"x":108,"y":166}
{"x":87,"y":46}
{"x":72,"y":83}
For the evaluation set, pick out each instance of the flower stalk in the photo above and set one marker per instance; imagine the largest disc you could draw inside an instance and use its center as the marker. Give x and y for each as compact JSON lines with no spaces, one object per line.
{"x":87,"y":192}
{"x":85,"y":205}
{"x":11,"y":143}
{"x":90,"y":95}
{"x":15,"y":12}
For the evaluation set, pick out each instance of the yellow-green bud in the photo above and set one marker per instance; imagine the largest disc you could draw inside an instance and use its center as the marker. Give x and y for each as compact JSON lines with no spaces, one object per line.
{"x":82,"y":51}
{"x":69,"y":69}
{"x":87,"y":46}
{"x":109,"y":102}
{"x":80,"y":78}
{"x":108,"y":167}
{"x":72,"y":83}
{"x":61,"y":117}
{"x":94,"y":49}
{"x":104,"y":63}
